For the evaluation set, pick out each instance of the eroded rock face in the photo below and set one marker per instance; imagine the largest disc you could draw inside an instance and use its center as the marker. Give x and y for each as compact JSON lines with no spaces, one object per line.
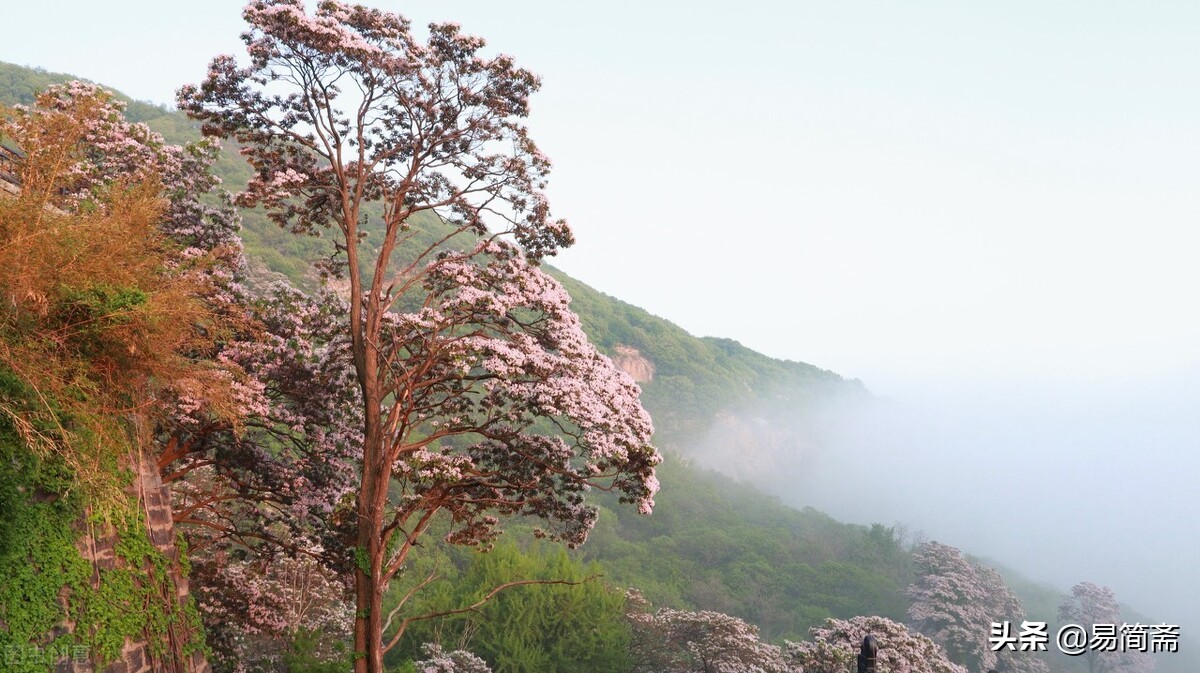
{"x":631,"y":361}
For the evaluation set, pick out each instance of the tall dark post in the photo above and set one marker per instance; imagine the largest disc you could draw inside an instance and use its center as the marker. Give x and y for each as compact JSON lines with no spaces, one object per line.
{"x":866,"y":655}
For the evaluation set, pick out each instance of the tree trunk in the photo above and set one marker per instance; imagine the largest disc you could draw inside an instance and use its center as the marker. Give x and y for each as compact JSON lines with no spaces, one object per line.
{"x":368,"y":572}
{"x":376,"y":475}
{"x":368,"y":622}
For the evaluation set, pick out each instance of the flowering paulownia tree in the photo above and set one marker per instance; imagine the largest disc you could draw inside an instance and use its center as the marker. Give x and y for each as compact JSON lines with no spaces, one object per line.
{"x":260,"y":501}
{"x":952,"y":605}
{"x":256,"y":610}
{"x":835,"y":646}
{"x":955,"y":602}
{"x":484,"y":397}
{"x":276,"y":476}
{"x":1089,"y":605}
{"x":112,"y":151}
{"x":683,"y":641}
{"x":456,"y":661}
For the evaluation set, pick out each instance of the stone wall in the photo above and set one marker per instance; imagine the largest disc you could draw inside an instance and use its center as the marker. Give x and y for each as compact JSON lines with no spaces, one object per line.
{"x":98,"y":547}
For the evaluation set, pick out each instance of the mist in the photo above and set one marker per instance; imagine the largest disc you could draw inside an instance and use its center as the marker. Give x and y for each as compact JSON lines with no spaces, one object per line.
{"x":1062,"y":481}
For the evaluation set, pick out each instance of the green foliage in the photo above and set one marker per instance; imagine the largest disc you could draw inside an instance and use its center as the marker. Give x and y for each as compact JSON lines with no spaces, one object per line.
{"x":362,"y":560}
{"x":92,"y":310}
{"x":714,"y":544}
{"x":101,"y":301}
{"x":20,"y":86}
{"x":303,"y":656}
{"x":523,"y":629}
{"x":130,"y":599}
{"x":38,"y":519}
{"x":45,"y":580}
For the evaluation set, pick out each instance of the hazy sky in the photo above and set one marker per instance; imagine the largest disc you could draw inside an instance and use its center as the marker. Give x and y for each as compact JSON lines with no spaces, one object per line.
{"x":953,"y":201}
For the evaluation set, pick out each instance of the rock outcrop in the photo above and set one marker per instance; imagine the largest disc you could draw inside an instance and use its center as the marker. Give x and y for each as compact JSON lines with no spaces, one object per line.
{"x":631,"y":361}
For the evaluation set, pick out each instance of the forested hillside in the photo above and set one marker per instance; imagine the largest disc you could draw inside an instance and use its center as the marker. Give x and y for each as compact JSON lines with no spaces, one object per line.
{"x":712,"y":544}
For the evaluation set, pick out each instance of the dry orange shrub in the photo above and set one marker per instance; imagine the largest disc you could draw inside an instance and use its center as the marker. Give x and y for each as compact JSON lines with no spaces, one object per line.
{"x":100,"y":315}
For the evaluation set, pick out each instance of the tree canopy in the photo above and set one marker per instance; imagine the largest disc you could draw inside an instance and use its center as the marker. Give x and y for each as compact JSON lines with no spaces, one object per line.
{"x":481,"y":395}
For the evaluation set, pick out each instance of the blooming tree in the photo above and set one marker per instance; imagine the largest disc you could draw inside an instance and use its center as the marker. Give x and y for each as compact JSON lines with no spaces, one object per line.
{"x":456,"y":661}
{"x":480,"y":394}
{"x":1006,"y":603}
{"x":255,"y":610}
{"x":278,"y":475}
{"x":955,"y":602}
{"x":835,"y":646}
{"x":109,"y":150}
{"x":258,"y":432}
{"x":1089,"y":605}
{"x":681,"y":641}
{"x":261,"y":500}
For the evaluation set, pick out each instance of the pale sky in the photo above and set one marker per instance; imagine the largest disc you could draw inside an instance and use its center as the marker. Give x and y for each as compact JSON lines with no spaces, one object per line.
{"x":948,"y":200}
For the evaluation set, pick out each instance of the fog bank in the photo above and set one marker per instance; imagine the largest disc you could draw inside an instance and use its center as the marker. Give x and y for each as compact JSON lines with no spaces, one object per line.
{"x":1062,"y":482}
